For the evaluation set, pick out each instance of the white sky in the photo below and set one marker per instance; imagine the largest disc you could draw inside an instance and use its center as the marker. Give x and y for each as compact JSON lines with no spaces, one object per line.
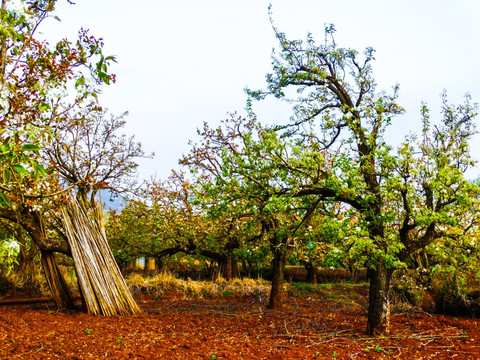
{"x":181,"y":63}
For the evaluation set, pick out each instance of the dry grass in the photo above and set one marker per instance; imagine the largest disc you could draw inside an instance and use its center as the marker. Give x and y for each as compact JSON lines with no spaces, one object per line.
{"x":165,"y":281}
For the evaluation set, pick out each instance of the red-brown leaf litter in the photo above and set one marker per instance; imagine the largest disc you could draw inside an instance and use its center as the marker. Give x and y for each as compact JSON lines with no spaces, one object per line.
{"x":234,"y":327}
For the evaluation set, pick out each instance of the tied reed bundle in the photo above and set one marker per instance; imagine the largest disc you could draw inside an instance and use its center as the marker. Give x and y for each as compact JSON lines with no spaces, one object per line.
{"x":102,"y":285}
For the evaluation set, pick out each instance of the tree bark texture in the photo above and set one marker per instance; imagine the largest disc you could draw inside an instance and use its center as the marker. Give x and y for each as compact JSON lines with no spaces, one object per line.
{"x":229,"y":266}
{"x":278,"y":278}
{"x":379,"y":305}
{"x":58,"y":287}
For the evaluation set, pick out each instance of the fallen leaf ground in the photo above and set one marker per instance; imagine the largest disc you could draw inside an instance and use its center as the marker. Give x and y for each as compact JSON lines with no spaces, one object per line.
{"x":235,"y":327}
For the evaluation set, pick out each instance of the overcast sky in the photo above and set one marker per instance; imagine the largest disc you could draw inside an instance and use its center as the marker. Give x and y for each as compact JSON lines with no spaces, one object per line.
{"x":181,"y":63}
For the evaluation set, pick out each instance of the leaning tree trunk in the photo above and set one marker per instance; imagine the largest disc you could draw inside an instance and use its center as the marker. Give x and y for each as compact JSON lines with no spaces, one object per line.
{"x":56,"y":283}
{"x":278,"y":278}
{"x":379,"y":304}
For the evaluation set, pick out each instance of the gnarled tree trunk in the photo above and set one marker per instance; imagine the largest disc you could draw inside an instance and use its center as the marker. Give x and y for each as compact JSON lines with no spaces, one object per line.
{"x":56,"y":283}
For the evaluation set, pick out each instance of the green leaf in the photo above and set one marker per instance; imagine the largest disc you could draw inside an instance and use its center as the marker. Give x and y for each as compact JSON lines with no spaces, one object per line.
{"x":20,"y":169}
{"x":39,"y":168}
{"x":7,"y":176}
{"x":80,"y":81}
{"x":43,"y":107}
{"x":4,"y":200}
{"x":31,"y":147}
{"x":5,"y":149}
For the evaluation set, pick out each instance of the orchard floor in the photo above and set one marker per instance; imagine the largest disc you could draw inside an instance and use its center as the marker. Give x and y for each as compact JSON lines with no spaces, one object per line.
{"x":235,"y":327}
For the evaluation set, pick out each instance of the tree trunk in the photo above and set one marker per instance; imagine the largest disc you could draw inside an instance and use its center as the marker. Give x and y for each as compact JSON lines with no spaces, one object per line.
{"x":276,"y":294}
{"x":249,"y":265}
{"x":311,"y":273}
{"x":58,"y":287}
{"x":379,"y":304}
{"x":246,"y":269}
{"x":26,"y":264}
{"x":354,"y":275}
{"x":235,"y":269}
{"x":228,"y":266}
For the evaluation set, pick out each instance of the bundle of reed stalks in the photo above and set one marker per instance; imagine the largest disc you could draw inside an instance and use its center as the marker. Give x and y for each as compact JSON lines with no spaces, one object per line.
{"x":102,"y":285}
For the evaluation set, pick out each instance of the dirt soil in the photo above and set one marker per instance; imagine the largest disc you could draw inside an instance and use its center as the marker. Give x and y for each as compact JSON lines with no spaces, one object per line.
{"x":234,"y":327}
